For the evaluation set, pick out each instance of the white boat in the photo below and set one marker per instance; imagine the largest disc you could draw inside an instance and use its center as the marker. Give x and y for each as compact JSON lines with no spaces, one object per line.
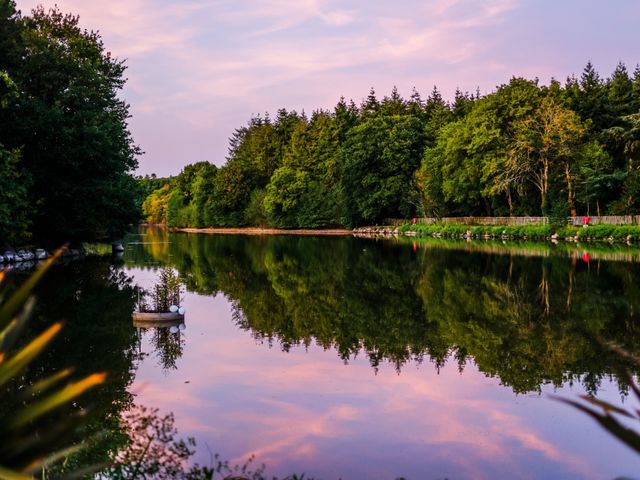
{"x":157,"y":319}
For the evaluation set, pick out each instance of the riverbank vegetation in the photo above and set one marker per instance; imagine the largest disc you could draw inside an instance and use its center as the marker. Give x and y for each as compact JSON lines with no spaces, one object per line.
{"x":536,"y":232}
{"x":524,"y":149}
{"x":65,"y":148}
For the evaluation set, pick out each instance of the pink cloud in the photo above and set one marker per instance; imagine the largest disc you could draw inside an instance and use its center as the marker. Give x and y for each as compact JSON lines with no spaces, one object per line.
{"x":201,"y":68}
{"x":263,"y":402}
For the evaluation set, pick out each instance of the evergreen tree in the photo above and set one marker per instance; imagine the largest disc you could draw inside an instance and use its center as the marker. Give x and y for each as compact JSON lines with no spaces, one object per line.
{"x":370,"y":105}
{"x":619,"y":94}
{"x":462,"y":103}
{"x":436,"y":115}
{"x":393,"y":105}
{"x":416,"y":105}
{"x":635,"y":103}
{"x":589,"y":100}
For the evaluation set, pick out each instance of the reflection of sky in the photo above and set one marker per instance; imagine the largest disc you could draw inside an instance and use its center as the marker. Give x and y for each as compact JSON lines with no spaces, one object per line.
{"x":305,"y":411}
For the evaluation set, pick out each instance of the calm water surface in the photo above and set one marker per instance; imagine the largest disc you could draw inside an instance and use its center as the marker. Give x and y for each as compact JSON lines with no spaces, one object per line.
{"x":356,"y":358}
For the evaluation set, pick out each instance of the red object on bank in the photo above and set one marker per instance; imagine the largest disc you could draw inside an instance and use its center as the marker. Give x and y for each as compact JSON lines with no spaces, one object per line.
{"x":414,"y":219}
{"x":586,"y":220}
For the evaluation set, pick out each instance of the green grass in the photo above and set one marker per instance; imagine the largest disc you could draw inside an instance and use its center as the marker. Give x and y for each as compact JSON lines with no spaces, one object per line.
{"x":100,"y":249}
{"x":533,"y":232}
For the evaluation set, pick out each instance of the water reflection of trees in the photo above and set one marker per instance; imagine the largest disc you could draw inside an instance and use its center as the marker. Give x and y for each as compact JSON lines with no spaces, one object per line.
{"x":94,"y":300}
{"x":529,"y":320}
{"x":168,"y":347}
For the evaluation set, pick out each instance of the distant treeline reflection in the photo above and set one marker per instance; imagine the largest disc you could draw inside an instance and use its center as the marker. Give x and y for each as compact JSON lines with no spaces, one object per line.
{"x":528,"y":320}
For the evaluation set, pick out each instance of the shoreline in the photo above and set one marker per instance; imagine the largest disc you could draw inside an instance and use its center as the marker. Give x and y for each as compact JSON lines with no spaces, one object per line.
{"x":531,"y":233}
{"x":265,"y":231}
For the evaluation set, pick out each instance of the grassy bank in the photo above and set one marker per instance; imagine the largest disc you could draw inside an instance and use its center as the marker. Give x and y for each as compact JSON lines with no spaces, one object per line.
{"x":263,"y":231}
{"x":525,"y":232}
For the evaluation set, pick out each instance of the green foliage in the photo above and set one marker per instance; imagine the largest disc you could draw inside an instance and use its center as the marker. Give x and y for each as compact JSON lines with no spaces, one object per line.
{"x":203,"y":186}
{"x":232,"y":194}
{"x":380,"y":157}
{"x":146,"y":186}
{"x":305,"y":190}
{"x":69,"y":126}
{"x":14,"y":182}
{"x":154,"y":208}
{"x":283,"y":195}
{"x":539,"y":232}
{"x":524,"y":149}
{"x":178,"y":214}
{"x":256,"y":213}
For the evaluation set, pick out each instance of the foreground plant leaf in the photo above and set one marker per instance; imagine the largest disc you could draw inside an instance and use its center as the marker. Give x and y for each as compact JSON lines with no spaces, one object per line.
{"x":34,"y":438}
{"x":10,"y":333}
{"x":17,"y":363}
{"x":628,"y":436}
{"x":64,"y":396}
{"x":6,"y":474}
{"x":47,"y":383}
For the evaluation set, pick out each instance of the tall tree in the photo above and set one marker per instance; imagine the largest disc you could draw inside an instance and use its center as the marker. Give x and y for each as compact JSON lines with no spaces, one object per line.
{"x":370,"y":105}
{"x":620,"y":93}
{"x":72,"y":129}
{"x":546,"y":144}
{"x":304,"y":191}
{"x":14,"y":181}
{"x":636,"y":90}
{"x":381,"y":155}
{"x":393,"y":104}
{"x":588,"y":97}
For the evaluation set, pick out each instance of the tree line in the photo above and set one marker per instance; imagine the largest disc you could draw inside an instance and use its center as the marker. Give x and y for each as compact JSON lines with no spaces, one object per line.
{"x":65,"y":148}
{"x":524,"y":149}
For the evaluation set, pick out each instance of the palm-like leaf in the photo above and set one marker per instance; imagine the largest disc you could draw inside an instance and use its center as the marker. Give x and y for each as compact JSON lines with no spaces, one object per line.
{"x":606,"y":414}
{"x":34,"y":436}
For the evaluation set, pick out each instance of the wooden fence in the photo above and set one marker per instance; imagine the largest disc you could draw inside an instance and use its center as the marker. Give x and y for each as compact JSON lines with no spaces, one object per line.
{"x":578,"y":221}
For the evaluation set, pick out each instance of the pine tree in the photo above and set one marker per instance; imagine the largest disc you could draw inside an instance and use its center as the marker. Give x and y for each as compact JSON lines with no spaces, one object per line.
{"x":370,"y":106}
{"x":437,"y":114}
{"x":619,"y":93}
{"x":393,"y":105}
{"x":462,"y":104}
{"x":416,"y":104}
{"x":635,"y":90}
{"x":590,"y":101}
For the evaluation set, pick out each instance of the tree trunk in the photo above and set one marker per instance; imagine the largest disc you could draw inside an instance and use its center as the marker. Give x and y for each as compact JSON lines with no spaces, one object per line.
{"x":544,"y":183}
{"x":570,"y":193}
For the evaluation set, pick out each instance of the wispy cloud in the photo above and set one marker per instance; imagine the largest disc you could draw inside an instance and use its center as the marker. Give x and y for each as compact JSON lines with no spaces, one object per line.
{"x":207,"y":65}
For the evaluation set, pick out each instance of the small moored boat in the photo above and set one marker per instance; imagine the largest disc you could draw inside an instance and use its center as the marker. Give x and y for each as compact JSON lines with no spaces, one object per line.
{"x":157,"y":319}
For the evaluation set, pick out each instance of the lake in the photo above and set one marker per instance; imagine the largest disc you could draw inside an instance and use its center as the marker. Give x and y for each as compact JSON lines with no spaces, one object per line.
{"x":343,"y":357}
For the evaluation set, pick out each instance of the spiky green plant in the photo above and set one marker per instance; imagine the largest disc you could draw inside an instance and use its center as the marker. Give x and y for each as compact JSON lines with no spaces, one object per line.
{"x":40,"y":428}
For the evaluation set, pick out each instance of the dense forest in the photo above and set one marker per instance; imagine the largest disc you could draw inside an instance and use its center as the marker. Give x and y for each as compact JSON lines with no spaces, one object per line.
{"x":65,"y":149}
{"x":525,"y":149}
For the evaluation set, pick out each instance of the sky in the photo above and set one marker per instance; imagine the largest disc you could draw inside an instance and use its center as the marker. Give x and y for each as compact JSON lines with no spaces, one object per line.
{"x":199,"y":69}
